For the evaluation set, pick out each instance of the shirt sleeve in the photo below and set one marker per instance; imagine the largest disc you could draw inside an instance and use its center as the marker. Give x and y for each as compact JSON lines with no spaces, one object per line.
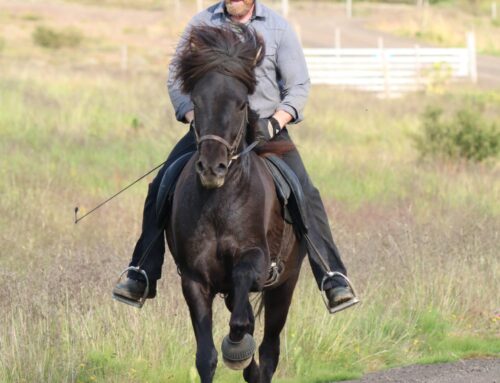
{"x":180,"y":100}
{"x":294,"y":77}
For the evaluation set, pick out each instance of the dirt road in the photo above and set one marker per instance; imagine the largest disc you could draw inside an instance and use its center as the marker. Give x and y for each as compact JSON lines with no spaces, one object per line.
{"x":467,"y":371}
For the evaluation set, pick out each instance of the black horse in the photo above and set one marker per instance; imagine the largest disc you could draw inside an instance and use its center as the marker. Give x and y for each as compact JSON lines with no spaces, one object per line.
{"x":226,"y":225}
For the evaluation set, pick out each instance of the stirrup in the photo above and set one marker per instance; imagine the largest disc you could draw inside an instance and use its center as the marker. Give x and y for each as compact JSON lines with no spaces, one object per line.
{"x":342,"y":306}
{"x":129,"y":301}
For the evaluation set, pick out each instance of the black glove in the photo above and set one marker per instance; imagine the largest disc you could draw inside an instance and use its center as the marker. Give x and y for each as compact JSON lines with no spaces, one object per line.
{"x":268,"y":128}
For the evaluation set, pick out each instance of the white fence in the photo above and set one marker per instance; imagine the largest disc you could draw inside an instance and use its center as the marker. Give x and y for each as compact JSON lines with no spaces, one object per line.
{"x":391,"y":71}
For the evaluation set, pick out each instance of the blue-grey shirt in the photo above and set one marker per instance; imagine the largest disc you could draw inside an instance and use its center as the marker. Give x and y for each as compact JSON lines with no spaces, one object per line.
{"x":282,"y":78}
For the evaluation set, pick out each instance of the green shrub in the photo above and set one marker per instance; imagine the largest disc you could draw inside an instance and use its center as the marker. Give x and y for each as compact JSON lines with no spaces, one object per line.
{"x":467,"y":135}
{"x":52,"y":39}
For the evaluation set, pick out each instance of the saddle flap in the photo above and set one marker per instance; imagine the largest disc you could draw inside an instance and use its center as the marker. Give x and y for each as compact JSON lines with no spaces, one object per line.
{"x":289,"y":191}
{"x":282,"y":188}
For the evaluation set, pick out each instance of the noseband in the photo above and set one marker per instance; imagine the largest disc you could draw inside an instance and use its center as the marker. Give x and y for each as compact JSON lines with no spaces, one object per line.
{"x":231,"y":148}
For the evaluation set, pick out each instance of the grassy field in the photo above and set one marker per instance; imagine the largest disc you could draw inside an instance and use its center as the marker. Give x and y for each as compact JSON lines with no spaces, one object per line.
{"x":420,"y":237}
{"x":443,"y":24}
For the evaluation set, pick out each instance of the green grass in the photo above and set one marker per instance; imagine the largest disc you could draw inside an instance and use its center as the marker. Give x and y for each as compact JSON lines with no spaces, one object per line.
{"x":407,"y":230}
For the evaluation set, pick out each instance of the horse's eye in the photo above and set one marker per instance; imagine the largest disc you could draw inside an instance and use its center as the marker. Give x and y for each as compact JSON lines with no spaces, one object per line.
{"x":242,"y":106}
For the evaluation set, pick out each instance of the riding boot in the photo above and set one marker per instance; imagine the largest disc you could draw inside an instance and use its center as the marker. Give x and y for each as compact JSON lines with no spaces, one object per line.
{"x":324,"y":257}
{"x":149,"y":250}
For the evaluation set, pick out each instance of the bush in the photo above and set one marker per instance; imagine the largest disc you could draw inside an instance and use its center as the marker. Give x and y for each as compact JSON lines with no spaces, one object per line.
{"x":467,"y":135}
{"x":52,"y":39}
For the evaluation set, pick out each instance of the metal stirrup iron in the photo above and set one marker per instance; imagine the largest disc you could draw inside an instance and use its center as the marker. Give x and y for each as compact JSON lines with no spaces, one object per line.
{"x":342,"y":306}
{"x":129,"y":301}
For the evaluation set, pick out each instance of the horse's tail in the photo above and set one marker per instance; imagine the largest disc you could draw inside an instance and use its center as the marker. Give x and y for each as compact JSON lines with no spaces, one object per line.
{"x":258,"y":304}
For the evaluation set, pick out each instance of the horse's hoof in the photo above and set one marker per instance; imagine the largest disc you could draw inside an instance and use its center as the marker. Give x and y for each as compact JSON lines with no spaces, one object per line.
{"x":238,"y":355}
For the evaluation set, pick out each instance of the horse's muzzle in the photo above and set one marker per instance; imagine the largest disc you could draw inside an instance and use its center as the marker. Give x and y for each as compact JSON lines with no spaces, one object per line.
{"x":211,"y":177}
{"x":211,"y":182}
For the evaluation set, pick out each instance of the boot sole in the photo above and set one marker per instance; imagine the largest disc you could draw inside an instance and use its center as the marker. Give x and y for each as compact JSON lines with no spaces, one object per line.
{"x":343,"y":306}
{"x":128,"y":301}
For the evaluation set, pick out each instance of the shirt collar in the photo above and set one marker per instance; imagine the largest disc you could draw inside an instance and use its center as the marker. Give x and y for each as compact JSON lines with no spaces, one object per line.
{"x":258,"y":12}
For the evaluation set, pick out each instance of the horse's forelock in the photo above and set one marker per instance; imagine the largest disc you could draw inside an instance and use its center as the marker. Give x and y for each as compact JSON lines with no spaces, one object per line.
{"x":230,"y":50}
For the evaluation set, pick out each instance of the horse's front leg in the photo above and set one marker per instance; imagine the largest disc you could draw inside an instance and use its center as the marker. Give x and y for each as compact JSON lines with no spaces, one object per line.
{"x":247,"y":274}
{"x":251,"y":374}
{"x":238,"y":347}
{"x":199,"y":299}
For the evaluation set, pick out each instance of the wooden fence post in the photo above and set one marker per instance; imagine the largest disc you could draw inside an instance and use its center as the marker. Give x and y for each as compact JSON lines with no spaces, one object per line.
{"x":385,"y":69}
{"x":471,"y":50}
{"x":417,"y":66}
{"x":348,"y":8}
{"x":298,"y":30}
{"x":338,"y":44}
{"x":284,"y":8}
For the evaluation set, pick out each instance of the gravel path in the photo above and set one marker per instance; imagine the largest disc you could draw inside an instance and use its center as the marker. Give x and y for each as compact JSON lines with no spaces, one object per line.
{"x":466,"y":371}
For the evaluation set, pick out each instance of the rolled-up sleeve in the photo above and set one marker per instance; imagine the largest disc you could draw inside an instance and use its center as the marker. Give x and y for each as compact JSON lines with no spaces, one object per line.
{"x":294,"y":77}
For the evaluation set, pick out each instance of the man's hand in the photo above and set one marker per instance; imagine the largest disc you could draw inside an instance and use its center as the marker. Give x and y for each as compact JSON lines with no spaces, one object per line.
{"x":189,"y":117}
{"x":268,"y":128}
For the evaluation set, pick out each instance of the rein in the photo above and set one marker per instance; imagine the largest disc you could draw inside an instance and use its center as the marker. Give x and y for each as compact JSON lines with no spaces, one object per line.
{"x":231,"y":148}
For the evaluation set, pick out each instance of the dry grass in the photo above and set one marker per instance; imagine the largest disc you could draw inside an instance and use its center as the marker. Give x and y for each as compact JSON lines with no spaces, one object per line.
{"x":441,"y":25}
{"x":419,"y":239}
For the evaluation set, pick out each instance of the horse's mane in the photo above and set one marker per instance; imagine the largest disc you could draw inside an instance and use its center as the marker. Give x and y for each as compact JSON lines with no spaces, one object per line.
{"x":233,"y":50}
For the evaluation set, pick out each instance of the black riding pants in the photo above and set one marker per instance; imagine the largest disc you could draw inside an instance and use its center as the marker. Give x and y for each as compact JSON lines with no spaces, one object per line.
{"x":150,"y":248}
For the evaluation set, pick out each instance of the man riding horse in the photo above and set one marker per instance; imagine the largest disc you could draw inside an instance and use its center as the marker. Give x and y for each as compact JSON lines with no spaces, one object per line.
{"x":279,"y":99}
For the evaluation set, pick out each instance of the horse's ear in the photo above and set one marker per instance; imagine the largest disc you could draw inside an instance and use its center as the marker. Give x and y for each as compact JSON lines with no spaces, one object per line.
{"x":259,"y":55}
{"x":192,"y":45}
{"x":256,"y":59}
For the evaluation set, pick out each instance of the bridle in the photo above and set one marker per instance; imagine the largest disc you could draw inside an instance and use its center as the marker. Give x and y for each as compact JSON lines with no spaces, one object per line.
{"x":231,"y":148}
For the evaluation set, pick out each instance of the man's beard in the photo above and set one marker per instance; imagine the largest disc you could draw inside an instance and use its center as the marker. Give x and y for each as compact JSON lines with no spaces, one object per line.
{"x":239,"y":8}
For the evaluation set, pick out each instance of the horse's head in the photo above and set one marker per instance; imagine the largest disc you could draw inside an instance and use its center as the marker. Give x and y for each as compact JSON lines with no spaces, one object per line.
{"x":216,"y":67}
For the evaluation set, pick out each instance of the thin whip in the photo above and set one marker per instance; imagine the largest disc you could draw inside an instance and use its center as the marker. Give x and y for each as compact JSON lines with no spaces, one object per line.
{"x":113,"y":196}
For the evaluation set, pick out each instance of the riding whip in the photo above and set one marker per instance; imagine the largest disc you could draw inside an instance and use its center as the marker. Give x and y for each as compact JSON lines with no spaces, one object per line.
{"x":115,"y":195}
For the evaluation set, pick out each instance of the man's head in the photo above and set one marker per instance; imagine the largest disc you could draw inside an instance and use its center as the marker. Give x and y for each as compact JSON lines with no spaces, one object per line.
{"x":239,"y":8}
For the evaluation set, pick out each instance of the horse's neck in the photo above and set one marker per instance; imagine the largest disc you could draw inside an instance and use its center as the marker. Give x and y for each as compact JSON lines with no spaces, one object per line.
{"x":239,"y":181}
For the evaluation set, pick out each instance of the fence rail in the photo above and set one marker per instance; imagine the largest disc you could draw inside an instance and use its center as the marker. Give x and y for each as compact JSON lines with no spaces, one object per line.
{"x":391,"y":71}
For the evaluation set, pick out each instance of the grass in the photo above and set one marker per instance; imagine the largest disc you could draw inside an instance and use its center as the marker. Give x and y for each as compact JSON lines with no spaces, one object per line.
{"x":419,"y":237}
{"x":52,"y":39}
{"x":444,"y":24}
{"x":79,"y":140}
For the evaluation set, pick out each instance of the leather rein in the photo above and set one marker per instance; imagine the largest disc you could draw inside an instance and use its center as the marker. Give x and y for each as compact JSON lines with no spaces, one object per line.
{"x":231,"y":148}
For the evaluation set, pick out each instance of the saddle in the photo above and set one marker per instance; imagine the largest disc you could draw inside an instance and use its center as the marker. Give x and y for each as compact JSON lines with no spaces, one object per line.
{"x":287,"y":185}
{"x":289,"y":193}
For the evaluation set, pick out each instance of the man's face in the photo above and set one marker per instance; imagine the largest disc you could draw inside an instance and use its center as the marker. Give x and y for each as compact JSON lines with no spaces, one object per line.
{"x":238,"y":7}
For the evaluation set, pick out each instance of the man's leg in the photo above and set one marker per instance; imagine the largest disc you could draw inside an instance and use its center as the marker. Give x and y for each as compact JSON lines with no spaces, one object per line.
{"x":149,"y":250}
{"x":336,"y":288}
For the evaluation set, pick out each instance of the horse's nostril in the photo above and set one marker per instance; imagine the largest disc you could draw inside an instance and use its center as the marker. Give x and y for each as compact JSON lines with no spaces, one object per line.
{"x":221,"y":168}
{"x":199,"y":166}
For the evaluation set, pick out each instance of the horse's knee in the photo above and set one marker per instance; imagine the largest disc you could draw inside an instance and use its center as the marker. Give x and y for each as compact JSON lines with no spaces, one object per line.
{"x":245,"y":276}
